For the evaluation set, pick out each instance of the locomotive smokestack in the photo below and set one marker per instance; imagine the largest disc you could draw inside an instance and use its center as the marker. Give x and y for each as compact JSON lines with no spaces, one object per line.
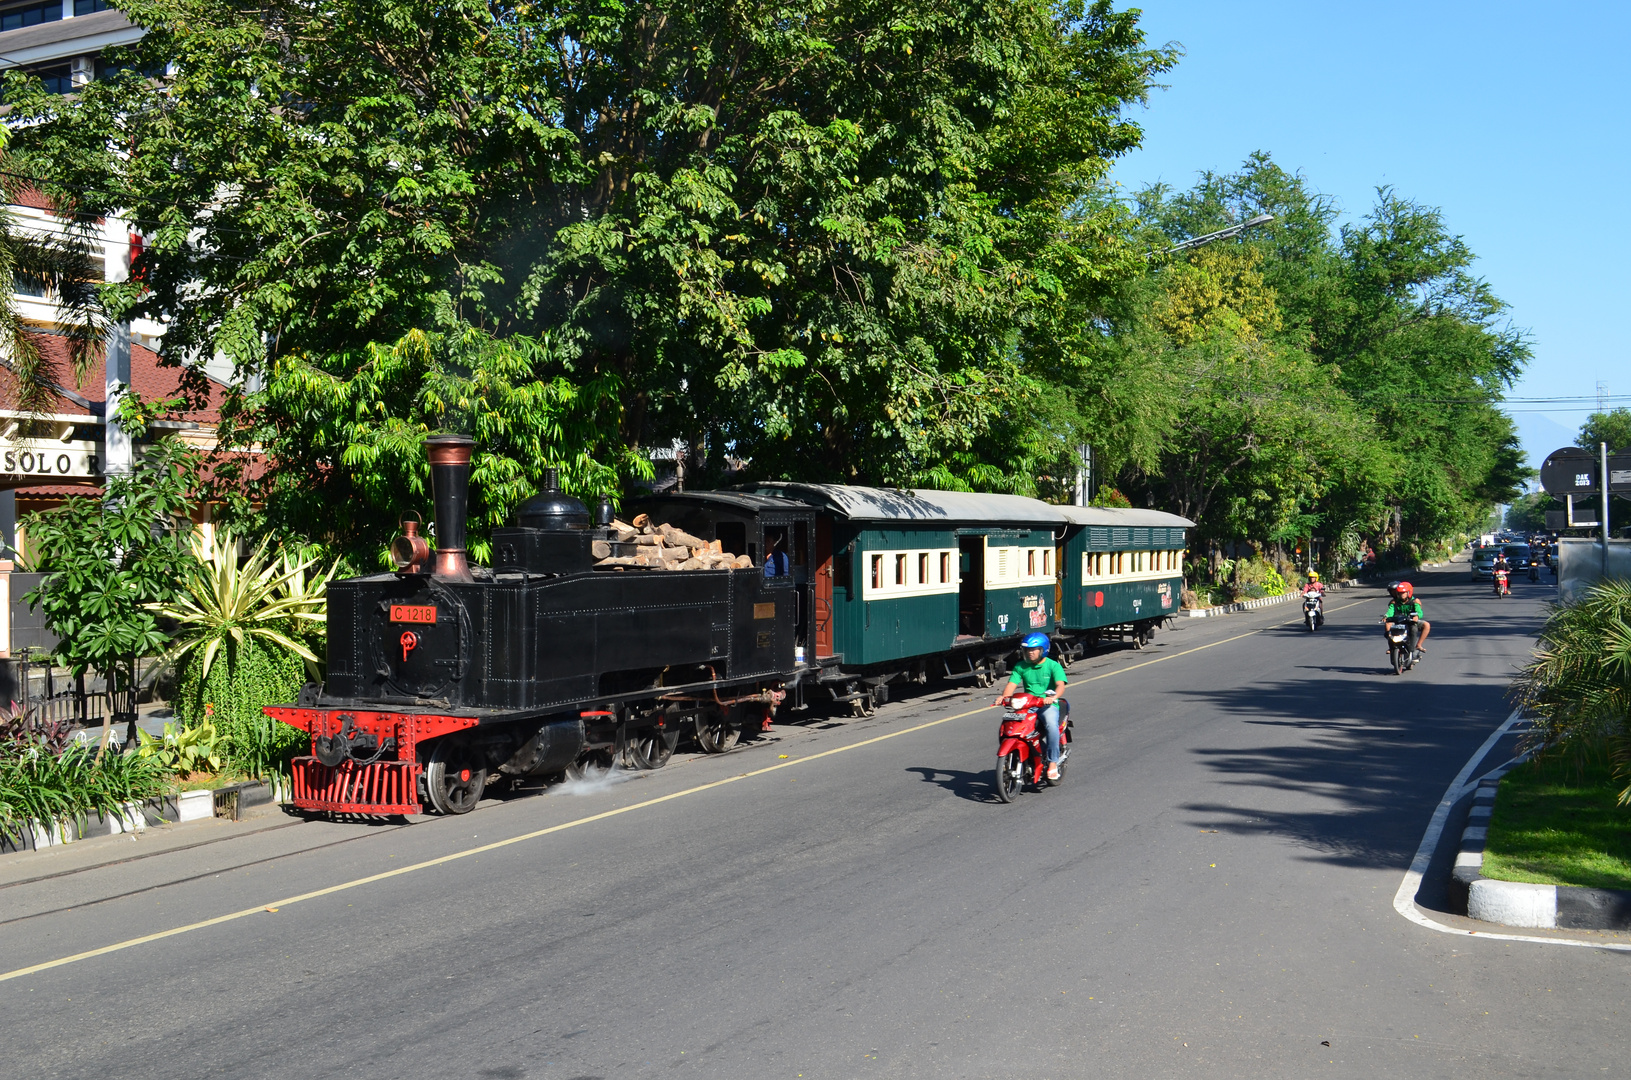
{"x":450,"y":484}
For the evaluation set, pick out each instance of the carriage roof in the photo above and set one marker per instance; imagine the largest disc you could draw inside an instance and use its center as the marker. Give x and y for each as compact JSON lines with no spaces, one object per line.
{"x":919,"y":504}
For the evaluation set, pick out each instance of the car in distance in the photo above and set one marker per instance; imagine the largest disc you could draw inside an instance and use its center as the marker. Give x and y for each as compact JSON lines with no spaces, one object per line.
{"x":1483,"y":560}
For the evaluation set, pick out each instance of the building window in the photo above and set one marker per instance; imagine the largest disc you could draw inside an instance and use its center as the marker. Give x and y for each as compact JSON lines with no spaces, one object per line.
{"x":24,"y":285}
{"x":90,"y":7}
{"x":32,"y":14}
{"x":877,"y":571}
{"x":945,"y":567}
{"x":58,"y":78}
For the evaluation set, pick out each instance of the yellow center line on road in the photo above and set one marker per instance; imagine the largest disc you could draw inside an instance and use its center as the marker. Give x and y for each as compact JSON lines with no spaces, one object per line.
{"x":494,"y":846}
{"x":1213,"y":645}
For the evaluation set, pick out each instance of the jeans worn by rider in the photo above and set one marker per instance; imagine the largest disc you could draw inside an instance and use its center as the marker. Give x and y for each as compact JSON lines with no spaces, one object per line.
{"x":1036,"y":680}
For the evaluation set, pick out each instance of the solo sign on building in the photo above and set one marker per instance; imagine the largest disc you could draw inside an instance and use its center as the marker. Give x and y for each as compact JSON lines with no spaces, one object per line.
{"x":42,"y":458}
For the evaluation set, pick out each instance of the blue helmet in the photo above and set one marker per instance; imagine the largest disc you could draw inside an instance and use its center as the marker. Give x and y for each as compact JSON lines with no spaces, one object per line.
{"x":1035,"y":641}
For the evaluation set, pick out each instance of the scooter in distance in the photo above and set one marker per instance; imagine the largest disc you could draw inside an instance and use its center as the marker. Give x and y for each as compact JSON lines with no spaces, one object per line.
{"x":1022,"y":747}
{"x":1534,"y":571}
{"x":1313,"y":610}
{"x":1401,"y":643}
{"x":1501,"y":579}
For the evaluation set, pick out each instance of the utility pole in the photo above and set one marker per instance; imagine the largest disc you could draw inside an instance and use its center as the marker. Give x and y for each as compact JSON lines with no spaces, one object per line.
{"x":117,"y":455}
{"x":1083,"y":493}
{"x":1602,"y":448}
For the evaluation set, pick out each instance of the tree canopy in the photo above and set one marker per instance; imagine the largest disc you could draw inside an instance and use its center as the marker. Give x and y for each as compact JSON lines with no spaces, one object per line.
{"x":807,"y":233}
{"x":829,"y":239}
{"x":1310,"y":378}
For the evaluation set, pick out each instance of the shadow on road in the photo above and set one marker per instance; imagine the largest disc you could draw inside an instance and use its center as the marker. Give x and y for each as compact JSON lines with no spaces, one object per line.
{"x":1373,"y":751}
{"x":975,"y":787}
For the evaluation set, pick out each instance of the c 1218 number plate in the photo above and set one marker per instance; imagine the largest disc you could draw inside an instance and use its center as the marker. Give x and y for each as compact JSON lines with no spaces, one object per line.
{"x":414,"y":613}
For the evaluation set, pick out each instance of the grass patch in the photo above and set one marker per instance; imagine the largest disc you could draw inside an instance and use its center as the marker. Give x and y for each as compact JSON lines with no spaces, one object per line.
{"x":1556,"y":822}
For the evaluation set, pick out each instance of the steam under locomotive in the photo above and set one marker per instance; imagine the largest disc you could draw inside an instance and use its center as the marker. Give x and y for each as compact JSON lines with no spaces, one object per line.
{"x":444,"y":678}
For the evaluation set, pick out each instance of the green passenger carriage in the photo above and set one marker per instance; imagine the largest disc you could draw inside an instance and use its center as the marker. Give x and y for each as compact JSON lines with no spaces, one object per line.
{"x":909,"y":583}
{"x":1121,"y":574}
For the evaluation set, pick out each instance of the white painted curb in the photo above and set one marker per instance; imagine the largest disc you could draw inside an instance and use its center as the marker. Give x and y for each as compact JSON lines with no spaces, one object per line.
{"x":1262,"y":601}
{"x":1513,"y":903}
{"x":195,"y":805}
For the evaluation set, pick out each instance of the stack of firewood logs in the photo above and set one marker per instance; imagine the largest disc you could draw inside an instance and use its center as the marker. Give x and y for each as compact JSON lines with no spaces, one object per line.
{"x":663,"y":547}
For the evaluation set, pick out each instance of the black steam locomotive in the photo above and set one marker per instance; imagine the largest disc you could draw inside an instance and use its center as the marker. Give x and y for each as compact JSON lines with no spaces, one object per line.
{"x":443,"y":677}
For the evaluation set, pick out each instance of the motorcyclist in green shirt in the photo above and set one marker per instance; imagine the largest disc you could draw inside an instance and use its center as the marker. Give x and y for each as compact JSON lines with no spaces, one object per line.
{"x":1404,"y":603}
{"x":1040,"y":676}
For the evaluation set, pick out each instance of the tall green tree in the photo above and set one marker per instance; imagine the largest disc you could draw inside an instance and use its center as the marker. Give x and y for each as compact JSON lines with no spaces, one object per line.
{"x":808,"y":233}
{"x":1410,"y":353}
{"x":1612,"y":427}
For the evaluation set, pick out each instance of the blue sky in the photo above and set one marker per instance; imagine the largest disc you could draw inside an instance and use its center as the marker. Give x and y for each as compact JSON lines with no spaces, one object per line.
{"x":1512,"y":118}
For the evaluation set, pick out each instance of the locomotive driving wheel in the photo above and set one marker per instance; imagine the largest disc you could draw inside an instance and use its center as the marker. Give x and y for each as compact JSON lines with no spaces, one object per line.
{"x":717,"y":730}
{"x":454,"y":777}
{"x":650,"y":748}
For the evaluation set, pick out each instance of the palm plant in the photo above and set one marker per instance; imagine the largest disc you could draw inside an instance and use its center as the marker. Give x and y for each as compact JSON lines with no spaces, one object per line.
{"x":62,"y":265}
{"x":222,"y":599}
{"x":238,"y":645}
{"x":1577,"y":687}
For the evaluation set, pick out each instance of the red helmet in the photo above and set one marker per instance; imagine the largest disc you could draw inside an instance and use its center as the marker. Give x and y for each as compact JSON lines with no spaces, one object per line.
{"x":1401,"y":590}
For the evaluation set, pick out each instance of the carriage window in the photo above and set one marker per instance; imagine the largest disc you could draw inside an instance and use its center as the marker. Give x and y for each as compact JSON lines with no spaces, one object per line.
{"x":945,"y":567}
{"x":900,"y":569}
{"x":923,"y":569}
{"x":877,"y":571}
{"x":1030,"y":563}
{"x":1045,"y":563}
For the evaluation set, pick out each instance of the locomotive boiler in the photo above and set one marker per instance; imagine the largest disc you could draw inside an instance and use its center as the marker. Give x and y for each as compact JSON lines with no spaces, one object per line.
{"x":446,"y":678}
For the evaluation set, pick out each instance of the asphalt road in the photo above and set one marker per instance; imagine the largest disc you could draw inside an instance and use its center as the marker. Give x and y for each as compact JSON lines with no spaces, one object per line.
{"x":1210,"y":894}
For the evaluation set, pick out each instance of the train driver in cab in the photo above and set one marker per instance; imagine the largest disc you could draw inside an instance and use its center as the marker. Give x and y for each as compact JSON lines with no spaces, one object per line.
{"x":776,"y":564}
{"x":1040,"y":676}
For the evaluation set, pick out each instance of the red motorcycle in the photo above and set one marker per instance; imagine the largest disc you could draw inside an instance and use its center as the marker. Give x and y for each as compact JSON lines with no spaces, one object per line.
{"x":1501,"y":578}
{"x":1022,"y":749}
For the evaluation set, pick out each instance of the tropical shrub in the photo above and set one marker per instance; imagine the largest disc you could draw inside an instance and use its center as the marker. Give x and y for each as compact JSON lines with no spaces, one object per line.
{"x":182,"y":750}
{"x":1577,"y":688}
{"x":230,"y":698}
{"x":1257,"y":578}
{"x":109,"y":562}
{"x":245,"y":632}
{"x":37,"y":785}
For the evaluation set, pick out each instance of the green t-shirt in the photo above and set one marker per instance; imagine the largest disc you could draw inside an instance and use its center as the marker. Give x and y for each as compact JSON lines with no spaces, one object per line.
{"x":1038,"y":679}
{"x":1409,"y":607}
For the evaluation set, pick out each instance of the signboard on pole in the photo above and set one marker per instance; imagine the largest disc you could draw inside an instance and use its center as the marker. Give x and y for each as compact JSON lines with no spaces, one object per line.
{"x":1569,"y":471}
{"x":1574,"y":471}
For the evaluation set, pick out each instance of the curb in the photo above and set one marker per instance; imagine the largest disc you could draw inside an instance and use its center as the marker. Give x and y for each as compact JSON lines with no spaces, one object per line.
{"x":1518,"y":903}
{"x":1249,"y":605}
{"x":178,"y":809}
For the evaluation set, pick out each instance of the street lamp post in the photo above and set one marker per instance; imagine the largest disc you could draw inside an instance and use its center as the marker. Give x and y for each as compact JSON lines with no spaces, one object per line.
{"x":1222,"y":234}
